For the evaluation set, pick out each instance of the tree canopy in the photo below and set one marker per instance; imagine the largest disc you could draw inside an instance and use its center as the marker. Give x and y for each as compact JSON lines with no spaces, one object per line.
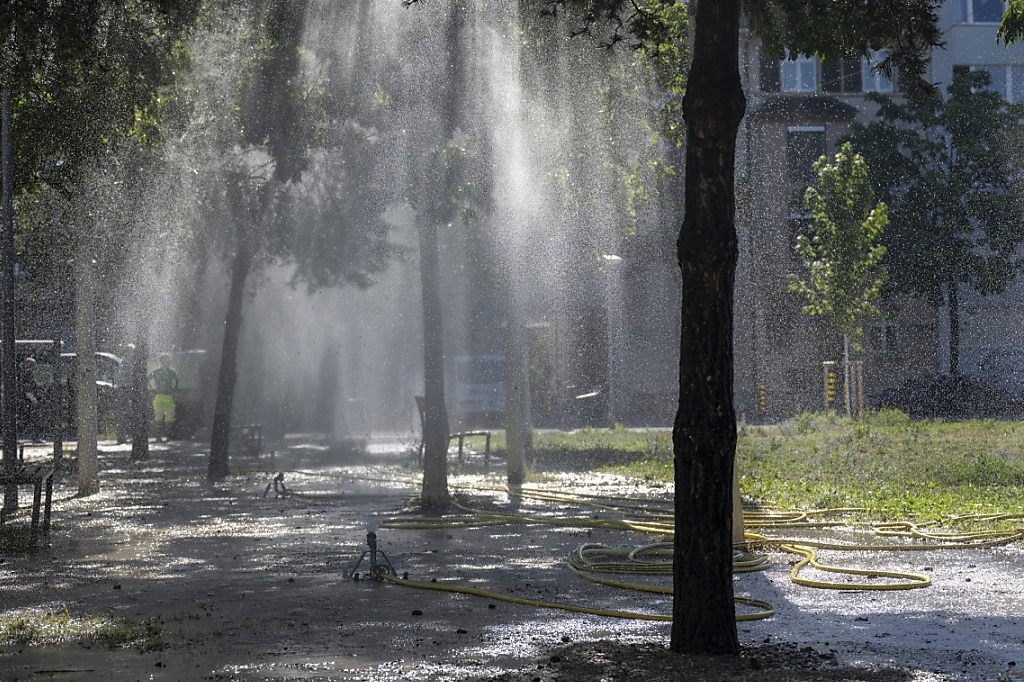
{"x":840,"y":251}
{"x":943,"y":167}
{"x":907,"y":29}
{"x":83,"y":75}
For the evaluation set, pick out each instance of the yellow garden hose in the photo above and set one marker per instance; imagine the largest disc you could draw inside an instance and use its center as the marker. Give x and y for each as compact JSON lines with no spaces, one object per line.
{"x":460,"y":589}
{"x":651,"y":516}
{"x":910,"y":581}
{"x":766,"y":610}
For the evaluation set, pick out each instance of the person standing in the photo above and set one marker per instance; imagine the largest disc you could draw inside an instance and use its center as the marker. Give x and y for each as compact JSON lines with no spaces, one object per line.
{"x":28,"y":396}
{"x":164,"y":383}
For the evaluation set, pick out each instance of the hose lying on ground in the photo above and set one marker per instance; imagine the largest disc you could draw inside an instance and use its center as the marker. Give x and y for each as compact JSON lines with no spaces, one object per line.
{"x":645,"y":515}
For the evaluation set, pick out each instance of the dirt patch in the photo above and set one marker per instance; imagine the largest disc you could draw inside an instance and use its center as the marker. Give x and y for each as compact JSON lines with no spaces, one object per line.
{"x":624,"y":663}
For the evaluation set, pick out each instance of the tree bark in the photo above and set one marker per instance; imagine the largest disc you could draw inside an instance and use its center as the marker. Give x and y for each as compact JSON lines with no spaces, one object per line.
{"x":954,"y":328}
{"x":435,"y":412}
{"x":57,"y":321}
{"x":517,"y":394}
{"x":220,"y":438}
{"x":8,"y":362}
{"x":704,"y":436}
{"x":139,"y":407}
{"x":85,"y":372}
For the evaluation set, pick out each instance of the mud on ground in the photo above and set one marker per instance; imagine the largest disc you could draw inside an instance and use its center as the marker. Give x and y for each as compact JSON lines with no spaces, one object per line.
{"x":163,"y":577}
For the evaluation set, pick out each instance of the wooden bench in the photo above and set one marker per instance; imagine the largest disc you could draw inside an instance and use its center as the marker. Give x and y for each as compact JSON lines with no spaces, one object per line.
{"x":38,"y":476}
{"x":462,"y":435}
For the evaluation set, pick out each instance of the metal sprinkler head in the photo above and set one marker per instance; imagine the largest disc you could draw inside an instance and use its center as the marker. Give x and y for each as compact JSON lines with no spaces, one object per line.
{"x":380,"y":565}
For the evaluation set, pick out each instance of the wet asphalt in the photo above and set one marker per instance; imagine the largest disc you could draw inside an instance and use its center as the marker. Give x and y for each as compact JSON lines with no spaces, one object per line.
{"x":247,"y":587}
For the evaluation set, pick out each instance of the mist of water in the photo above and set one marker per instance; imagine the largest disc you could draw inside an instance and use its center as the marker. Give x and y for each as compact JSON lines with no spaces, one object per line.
{"x":542,"y":226}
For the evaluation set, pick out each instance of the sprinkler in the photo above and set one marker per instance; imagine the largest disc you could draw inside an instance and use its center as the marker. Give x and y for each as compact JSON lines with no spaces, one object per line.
{"x":378,"y":569}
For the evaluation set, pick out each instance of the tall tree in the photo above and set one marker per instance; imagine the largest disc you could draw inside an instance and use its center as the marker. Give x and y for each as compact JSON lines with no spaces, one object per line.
{"x":286,"y":167}
{"x":704,"y":436}
{"x":77,"y":76}
{"x":438,"y":206}
{"x":941,"y":164}
{"x":840,"y":252}
{"x":270,"y":130}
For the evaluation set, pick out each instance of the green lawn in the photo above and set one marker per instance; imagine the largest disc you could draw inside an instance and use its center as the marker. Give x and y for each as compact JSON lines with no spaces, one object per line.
{"x":888,"y":463}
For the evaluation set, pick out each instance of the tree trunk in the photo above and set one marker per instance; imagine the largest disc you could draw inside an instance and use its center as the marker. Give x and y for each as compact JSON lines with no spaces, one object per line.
{"x":517,"y":395}
{"x":954,"y":328}
{"x":8,"y":362}
{"x":704,"y":436}
{"x":138,"y":410}
{"x":220,"y":438}
{"x":85,"y":375}
{"x":57,"y":321}
{"x":435,"y":413}
{"x":846,"y":374}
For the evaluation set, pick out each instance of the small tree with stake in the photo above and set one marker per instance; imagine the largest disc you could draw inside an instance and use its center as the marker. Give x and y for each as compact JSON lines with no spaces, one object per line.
{"x":841,"y":253}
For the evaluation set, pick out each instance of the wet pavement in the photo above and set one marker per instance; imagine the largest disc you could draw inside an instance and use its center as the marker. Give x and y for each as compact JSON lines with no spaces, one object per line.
{"x":222,"y":583}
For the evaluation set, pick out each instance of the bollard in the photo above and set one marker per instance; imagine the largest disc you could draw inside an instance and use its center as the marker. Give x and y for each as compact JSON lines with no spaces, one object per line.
{"x":829,"y":367}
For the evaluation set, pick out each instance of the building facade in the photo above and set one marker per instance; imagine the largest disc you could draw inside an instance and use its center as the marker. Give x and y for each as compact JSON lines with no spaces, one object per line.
{"x":798,"y":110}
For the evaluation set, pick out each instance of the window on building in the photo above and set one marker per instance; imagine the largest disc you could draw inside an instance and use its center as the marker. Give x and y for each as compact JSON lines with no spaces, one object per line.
{"x":841,"y":75}
{"x":885,"y":338}
{"x":804,"y":145}
{"x":999,"y":76}
{"x":1015,"y":84}
{"x":873,"y":79}
{"x":1008,"y":81}
{"x":791,"y":75}
{"x":799,"y":75}
{"x":769,"y":74}
{"x":979,"y":11}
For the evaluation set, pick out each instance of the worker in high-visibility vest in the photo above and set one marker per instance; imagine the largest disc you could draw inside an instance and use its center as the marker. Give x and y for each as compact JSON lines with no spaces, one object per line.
{"x":164,"y":383}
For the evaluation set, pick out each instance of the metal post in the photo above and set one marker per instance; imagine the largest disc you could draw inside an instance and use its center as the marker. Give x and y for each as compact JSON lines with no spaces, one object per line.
{"x":857,"y":367}
{"x":371,"y":541}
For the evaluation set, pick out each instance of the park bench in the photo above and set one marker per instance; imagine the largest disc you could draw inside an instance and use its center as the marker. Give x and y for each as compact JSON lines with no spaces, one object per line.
{"x":461,"y":436}
{"x":38,"y":475}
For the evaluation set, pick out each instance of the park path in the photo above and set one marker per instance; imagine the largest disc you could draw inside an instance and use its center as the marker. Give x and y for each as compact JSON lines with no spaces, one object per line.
{"x":196,"y":582}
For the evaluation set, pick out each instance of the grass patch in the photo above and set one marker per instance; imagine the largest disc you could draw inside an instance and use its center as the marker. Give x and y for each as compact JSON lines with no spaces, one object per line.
{"x":888,"y":463}
{"x":584,"y":449}
{"x":36,"y":627}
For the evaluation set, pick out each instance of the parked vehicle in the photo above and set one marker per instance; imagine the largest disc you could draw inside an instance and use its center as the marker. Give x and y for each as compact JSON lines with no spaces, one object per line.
{"x":39,"y":420}
{"x":1004,"y":369}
